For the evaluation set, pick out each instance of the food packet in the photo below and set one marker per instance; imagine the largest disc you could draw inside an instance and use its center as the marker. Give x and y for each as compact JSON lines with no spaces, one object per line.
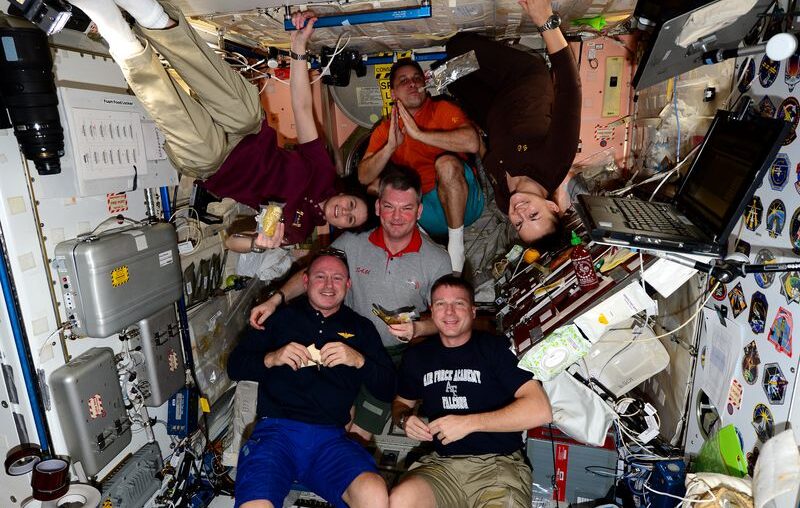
{"x":269,"y":217}
{"x":436,"y":80}
{"x":395,"y":317}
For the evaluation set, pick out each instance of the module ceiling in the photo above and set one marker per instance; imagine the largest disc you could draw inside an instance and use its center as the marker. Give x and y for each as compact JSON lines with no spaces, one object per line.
{"x":260,"y":23}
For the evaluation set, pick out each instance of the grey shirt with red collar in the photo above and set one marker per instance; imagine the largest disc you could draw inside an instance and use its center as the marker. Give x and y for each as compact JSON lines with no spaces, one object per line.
{"x":391,"y":281}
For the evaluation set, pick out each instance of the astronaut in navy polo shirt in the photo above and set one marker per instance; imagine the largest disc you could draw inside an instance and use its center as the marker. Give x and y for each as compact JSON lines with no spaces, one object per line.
{"x":477,"y":403}
{"x":310,"y":361}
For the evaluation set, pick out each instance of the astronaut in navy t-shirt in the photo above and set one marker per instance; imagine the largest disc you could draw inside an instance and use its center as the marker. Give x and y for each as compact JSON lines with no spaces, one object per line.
{"x":477,"y":403}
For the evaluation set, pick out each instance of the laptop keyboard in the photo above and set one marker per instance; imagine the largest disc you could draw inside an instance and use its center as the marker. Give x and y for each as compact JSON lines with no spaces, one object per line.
{"x":648,"y":216}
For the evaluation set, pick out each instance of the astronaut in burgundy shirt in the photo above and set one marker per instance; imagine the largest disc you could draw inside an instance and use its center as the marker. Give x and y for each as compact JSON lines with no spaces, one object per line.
{"x":258,"y":171}
{"x":219,"y":133}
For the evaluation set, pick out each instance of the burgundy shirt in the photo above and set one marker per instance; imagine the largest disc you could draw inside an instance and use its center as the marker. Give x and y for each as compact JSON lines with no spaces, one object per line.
{"x":258,"y":171}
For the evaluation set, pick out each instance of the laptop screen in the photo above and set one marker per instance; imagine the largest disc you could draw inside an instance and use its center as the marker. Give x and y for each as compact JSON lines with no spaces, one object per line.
{"x":729,"y":167}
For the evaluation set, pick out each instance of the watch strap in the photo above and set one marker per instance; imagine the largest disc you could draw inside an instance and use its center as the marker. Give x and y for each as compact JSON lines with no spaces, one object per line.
{"x":298,"y":56}
{"x":554,"y":21}
{"x":279,"y":293}
{"x":255,"y":248}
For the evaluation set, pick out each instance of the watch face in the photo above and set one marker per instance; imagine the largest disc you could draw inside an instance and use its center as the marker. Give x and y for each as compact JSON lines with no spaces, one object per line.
{"x":553,"y":21}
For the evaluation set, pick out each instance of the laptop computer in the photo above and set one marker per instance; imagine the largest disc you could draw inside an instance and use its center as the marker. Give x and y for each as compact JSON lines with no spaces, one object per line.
{"x":729,"y":167}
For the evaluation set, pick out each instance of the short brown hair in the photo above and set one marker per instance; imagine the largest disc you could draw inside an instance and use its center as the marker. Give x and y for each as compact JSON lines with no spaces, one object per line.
{"x":403,"y":62}
{"x":456,"y":282}
{"x":400,"y":178}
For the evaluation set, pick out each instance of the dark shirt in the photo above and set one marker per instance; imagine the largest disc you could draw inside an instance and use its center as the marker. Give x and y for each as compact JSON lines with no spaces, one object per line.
{"x":258,"y":171}
{"x":544,"y":158}
{"x":532,"y":118}
{"x":320,"y":396}
{"x":476,"y":377}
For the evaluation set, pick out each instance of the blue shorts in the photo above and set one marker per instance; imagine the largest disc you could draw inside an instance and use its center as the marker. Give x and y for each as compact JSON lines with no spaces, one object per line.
{"x":280,"y":451}
{"x":433,"y":219}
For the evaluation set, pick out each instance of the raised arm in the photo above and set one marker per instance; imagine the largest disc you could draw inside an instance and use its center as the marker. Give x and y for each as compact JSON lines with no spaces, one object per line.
{"x":302,"y":103}
{"x":539,"y":11}
{"x":382,"y":145}
{"x":461,"y":139}
{"x":562,"y":139}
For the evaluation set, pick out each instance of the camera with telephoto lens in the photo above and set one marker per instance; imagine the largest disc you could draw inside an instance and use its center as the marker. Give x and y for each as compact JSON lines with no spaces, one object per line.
{"x":28,"y":100}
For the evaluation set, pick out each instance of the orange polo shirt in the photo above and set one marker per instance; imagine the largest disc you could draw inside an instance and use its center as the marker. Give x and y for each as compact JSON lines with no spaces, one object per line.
{"x":433,"y":115}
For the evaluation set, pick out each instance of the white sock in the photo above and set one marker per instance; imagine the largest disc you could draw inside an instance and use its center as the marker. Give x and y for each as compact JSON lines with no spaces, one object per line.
{"x":455,"y":247}
{"x":112,"y":26}
{"x":147,"y":13}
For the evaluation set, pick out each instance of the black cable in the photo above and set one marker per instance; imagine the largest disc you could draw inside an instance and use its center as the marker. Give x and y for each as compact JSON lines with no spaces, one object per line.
{"x":135,"y":179}
{"x":555,"y":468}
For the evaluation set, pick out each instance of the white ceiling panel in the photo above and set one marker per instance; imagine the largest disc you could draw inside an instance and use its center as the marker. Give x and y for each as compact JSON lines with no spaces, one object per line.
{"x":260,"y":24}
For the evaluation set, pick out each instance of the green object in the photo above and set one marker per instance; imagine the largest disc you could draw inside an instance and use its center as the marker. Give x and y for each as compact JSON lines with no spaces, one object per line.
{"x":597,"y":22}
{"x":575,"y":240}
{"x":230,"y":280}
{"x":722,"y":453}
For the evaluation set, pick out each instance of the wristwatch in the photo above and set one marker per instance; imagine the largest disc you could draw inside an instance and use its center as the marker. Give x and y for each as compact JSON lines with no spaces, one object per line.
{"x":554,"y":21}
{"x":280,"y":293}
{"x":255,"y":248}
{"x":298,"y":56}
{"x":402,"y":422}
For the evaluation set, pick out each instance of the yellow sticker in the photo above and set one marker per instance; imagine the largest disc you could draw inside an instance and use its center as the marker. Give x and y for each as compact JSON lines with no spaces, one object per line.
{"x":382,"y":71}
{"x":107,"y":504}
{"x":382,"y":76}
{"x":119,"y":276}
{"x":603,"y":319}
{"x":204,"y":406}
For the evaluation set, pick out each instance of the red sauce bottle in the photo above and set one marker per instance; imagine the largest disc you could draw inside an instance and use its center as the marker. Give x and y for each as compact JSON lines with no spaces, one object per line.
{"x":583,"y":265}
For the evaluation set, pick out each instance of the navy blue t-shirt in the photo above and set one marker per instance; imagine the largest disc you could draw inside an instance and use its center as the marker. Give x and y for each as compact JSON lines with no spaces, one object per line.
{"x":320,"y":396}
{"x":477,"y":377}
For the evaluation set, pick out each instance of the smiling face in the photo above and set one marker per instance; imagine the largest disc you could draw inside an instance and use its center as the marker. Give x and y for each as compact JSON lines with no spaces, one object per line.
{"x":399,"y":211}
{"x":326,"y":281}
{"x":345,"y":211}
{"x":532,"y":216}
{"x":452,"y":312}
{"x":406,"y":87}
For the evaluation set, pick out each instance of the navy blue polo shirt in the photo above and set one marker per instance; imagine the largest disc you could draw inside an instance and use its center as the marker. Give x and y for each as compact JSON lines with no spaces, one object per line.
{"x":313,"y":395}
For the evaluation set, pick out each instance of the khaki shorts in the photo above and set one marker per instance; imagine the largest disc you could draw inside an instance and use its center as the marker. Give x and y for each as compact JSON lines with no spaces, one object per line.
{"x":491,"y":481}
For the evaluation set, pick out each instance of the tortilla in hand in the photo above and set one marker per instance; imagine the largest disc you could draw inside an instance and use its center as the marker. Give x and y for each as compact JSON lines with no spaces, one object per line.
{"x":316,"y":356}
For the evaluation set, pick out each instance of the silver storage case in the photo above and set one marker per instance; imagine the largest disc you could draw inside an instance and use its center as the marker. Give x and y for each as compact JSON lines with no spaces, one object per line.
{"x":115,"y":278}
{"x":88,"y":399}
{"x":162,"y":372}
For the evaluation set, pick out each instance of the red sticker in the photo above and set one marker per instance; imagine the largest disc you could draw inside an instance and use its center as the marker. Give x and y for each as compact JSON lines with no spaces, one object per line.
{"x":96,"y":409}
{"x":735,"y":396}
{"x":117,"y":202}
{"x":562,"y":462}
